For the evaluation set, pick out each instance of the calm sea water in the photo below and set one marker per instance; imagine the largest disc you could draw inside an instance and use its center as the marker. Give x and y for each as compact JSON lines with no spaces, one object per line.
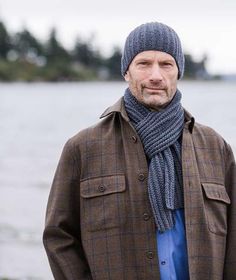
{"x":35,"y":122}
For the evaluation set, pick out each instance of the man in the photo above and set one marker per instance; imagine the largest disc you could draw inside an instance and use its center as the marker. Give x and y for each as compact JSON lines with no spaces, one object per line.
{"x":147,"y":193}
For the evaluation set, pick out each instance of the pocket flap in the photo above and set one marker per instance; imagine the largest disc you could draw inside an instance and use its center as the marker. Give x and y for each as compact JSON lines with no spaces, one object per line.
{"x":102,"y":186}
{"x":216,"y":192}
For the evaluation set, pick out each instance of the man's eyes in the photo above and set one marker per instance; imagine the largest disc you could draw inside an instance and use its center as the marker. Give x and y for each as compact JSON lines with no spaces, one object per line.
{"x":167,"y":64}
{"x":143,"y":63}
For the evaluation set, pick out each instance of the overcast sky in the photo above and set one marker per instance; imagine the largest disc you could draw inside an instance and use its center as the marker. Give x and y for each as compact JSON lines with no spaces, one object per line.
{"x":204,"y":26}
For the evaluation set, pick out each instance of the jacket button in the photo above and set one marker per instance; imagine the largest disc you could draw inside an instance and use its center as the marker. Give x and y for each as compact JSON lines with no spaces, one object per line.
{"x":134,"y":138}
{"x":146,"y":216}
{"x":141,"y":177}
{"x":101,"y":188}
{"x":150,"y":255}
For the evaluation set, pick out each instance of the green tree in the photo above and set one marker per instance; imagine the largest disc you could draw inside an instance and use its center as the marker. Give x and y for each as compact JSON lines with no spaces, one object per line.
{"x":26,"y":46}
{"x":4,"y":41}
{"x":189,"y":66}
{"x":113,"y":64}
{"x":195,"y":69}
{"x":54,"y":51}
{"x":84,"y":53}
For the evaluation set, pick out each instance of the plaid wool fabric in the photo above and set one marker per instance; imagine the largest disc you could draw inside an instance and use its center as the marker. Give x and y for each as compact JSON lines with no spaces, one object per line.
{"x":99,"y":222}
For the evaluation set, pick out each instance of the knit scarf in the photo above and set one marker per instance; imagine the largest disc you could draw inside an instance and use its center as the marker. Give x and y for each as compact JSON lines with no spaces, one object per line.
{"x":160,"y":133}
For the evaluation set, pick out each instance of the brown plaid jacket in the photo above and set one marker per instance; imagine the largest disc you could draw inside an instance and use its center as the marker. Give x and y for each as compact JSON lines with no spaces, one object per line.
{"x":99,"y":222}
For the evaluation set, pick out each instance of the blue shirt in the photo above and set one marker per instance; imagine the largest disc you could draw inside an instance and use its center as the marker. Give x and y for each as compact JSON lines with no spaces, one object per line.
{"x":172,"y":250}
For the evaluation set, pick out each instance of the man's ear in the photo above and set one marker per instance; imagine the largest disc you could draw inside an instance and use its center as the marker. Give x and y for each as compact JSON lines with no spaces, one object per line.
{"x":127,"y":76}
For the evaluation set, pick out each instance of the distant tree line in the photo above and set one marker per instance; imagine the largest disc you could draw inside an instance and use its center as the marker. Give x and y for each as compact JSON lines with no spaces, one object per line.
{"x":25,"y":58}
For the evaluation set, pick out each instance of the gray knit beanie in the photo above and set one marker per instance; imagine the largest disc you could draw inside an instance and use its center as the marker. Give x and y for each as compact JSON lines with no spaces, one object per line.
{"x":153,"y":36}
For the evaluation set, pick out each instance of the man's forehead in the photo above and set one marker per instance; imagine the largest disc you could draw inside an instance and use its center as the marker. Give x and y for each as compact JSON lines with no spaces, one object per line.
{"x":153,"y":54}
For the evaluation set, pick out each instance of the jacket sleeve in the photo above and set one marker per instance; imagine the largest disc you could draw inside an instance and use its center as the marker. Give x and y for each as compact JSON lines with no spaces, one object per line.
{"x":61,"y":236}
{"x":230,"y":183}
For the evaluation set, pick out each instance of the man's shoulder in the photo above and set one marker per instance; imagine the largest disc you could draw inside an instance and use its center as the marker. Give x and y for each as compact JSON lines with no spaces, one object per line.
{"x":102,"y":131}
{"x":203,"y":134}
{"x":205,"y":131}
{"x":94,"y":133}
{"x":206,"y":136}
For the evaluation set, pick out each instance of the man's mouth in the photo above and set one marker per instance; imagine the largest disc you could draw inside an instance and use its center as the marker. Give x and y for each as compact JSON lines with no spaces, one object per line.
{"x":154,"y":88}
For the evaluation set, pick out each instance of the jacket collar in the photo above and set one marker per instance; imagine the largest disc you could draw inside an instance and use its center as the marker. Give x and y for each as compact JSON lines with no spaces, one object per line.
{"x":119,"y":107}
{"x":189,"y":121}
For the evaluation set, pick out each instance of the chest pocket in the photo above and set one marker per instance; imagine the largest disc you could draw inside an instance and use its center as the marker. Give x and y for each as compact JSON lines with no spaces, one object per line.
{"x":216,"y":200}
{"x":102,"y":203}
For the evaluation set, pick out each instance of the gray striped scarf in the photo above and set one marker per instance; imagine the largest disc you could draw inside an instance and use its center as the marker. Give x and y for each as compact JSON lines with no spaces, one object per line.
{"x":160,"y":133}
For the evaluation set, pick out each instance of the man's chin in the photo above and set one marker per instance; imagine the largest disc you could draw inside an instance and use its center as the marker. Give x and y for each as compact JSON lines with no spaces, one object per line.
{"x":153,"y":97}
{"x":153,"y":104}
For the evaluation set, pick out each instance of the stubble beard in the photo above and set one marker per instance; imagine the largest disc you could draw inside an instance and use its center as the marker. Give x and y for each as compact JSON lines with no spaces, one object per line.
{"x":153,"y":100}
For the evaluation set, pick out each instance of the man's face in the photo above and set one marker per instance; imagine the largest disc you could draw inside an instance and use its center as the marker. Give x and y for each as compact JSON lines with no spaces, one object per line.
{"x":152,"y":78}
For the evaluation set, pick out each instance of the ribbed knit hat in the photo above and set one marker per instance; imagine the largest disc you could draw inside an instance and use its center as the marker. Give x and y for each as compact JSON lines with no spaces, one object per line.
{"x":153,"y":36}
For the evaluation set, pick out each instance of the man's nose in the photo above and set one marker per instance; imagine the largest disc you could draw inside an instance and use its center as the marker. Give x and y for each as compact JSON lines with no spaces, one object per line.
{"x":156,"y":75}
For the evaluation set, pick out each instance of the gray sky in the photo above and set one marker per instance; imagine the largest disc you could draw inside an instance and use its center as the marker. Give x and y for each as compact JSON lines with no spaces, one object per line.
{"x":205,"y":27}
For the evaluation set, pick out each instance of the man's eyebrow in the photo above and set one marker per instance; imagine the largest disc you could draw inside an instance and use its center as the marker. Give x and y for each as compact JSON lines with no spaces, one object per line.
{"x":142,"y":59}
{"x":169,"y":59}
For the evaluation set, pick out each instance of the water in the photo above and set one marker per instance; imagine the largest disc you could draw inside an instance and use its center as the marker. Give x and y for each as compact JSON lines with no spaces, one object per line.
{"x":35,"y":122}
